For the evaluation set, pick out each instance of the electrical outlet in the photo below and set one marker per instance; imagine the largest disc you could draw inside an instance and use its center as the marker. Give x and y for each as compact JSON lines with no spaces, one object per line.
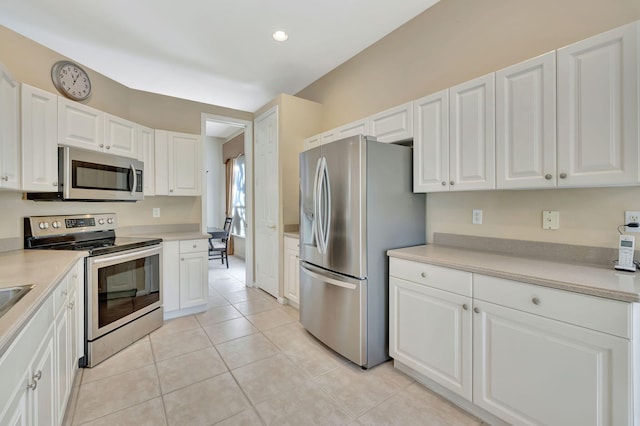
{"x":156,"y":212}
{"x":476,"y":217}
{"x":550,"y":219}
{"x":629,"y":217}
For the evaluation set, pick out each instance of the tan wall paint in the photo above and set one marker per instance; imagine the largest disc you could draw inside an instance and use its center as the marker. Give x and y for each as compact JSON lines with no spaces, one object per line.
{"x":31,"y":63}
{"x":455,"y":41}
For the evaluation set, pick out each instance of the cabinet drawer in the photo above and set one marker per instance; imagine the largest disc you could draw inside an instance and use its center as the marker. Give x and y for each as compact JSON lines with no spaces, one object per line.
{"x":193,"y":246}
{"x":451,"y":280}
{"x":291,"y":243}
{"x":596,"y":313}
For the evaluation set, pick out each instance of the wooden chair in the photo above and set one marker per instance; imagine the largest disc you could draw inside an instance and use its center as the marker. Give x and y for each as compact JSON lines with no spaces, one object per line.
{"x":219,"y":249}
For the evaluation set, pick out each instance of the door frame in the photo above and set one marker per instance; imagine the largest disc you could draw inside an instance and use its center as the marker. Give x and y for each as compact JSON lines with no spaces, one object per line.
{"x":248,"y":152}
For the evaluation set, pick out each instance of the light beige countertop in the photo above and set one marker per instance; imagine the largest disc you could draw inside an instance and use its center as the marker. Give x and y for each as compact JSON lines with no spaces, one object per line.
{"x":595,"y":280}
{"x":42,"y":268}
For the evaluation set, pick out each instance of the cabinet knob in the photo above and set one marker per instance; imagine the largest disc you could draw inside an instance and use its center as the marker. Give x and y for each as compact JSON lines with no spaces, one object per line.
{"x":563,"y":175}
{"x":444,"y":183}
{"x":171,"y":190}
{"x":548,"y":176}
{"x":55,"y":183}
{"x":38,"y":375}
{"x":465,"y":307}
{"x":535,"y":301}
{"x":182,"y":259}
{"x":72,"y":304}
{"x":33,"y":385}
{"x":423,"y":274}
{"x":5,"y":178}
{"x":476,"y":310}
{"x":194,"y":246}
{"x":452,"y":183}
{"x":101,"y":145}
{"x":108,"y":146}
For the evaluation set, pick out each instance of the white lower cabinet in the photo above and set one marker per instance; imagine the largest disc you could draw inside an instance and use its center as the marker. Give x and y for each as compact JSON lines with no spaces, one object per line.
{"x":186,"y":270}
{"x":526,"y":354}
{"x":38,"y":368}
{"x":292,"y":270}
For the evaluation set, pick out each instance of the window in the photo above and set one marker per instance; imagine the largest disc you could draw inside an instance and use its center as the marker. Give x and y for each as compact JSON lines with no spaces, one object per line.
{"x":238,"y":204}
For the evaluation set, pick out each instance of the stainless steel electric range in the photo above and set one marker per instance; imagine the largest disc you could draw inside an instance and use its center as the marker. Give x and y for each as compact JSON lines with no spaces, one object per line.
{"x":123,"y":278}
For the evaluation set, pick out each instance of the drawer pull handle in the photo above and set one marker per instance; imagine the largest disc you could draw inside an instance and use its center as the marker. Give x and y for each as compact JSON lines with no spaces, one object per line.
{"x":465,"y":307}
{"x":476,"y":310}
{"x":423,"y":274}
{"x":71,"y":304}
{"x":535,"y":301}
{"x":33,"y":385}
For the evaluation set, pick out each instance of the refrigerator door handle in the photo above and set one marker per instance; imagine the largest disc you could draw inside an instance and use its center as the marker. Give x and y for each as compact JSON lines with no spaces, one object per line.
{"x":328,"y":280}
{"x":327,"y":192}
{"x":321,"y":208}
{"x":316,"y":206}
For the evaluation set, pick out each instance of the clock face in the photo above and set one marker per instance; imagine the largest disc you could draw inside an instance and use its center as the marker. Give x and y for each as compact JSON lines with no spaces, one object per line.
{"x":71,"y":80}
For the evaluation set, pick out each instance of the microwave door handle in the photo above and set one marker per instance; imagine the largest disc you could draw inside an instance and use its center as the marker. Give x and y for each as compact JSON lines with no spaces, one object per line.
{"x":135,"y":180}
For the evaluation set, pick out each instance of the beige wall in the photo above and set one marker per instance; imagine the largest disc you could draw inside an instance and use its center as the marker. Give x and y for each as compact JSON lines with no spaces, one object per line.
{"x":31,"y":63}
{"x":455,"y":41}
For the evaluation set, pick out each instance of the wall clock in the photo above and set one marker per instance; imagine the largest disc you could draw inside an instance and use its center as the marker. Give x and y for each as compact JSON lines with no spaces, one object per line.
{"x":71,"y":80}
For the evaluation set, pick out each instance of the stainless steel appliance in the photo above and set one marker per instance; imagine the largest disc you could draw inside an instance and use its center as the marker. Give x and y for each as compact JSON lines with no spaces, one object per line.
{"x":356,"y":202}
{"x":123,"y":276}
{"x":94,"y":176}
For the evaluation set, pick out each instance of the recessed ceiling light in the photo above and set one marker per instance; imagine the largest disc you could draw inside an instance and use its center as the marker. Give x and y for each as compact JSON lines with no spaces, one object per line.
{"x":280,"y":36}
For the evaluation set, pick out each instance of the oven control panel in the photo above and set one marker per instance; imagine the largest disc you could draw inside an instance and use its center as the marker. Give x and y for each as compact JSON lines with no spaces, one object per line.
{"x":46,"y":226}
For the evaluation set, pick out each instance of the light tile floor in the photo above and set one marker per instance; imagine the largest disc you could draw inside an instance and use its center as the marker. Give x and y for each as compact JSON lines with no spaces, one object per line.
{"x":247,"y":361}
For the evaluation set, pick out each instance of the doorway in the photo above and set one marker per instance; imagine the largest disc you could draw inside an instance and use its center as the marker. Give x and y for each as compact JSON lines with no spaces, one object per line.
{"x":215,"y":131}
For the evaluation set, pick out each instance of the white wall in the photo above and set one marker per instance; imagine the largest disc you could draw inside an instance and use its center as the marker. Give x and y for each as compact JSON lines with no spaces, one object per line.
{"x":214,"y":181}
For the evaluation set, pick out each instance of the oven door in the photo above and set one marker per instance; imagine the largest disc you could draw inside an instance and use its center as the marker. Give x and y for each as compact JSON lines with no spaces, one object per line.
{"x":122,"y":287}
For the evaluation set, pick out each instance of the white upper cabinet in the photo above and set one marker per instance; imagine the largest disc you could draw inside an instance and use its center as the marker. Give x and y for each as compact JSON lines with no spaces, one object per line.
{"x":146,"y":154}
{"x":120,"y":136}
{"x":360,"y":127}
{"x":472,"y":134}
{"x":394,"y":124}
{"x":526,"y":124}
{"x":80,"y":126}
{"x":431,"y":143}
{"x":312,"y":142}
{"x":9,"y":131}
{"x":177,"y":163}
{"x":598,"y":110}
{"x":39,"y":140}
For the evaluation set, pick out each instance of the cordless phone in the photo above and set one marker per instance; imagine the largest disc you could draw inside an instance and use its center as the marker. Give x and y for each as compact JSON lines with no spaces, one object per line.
{"x":626,"y":250}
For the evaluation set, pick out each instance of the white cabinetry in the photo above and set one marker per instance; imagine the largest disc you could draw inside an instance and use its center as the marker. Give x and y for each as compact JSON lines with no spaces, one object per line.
{"x":292,"y":270}
{"x":120,"y":136}
{"x":9,"y":131}
{"x":430,"y":322}
{"x":598,"y":109}
{"x":146,"y":154}
{"x":472,"y":134}
{"x":392,"y":125}
{"x":359,"y":127}
{"x":80,"y":126}
{"x":526,"y":124}
{"x":39,"y":140}
{"x":177,"y":163}
{"x":186,"y":269}
{"x":431,"y":143}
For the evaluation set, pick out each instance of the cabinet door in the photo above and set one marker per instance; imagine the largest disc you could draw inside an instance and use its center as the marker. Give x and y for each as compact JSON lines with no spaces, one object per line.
{"x":80,"y":126}
{"x":328,"y":136}
{"x":431,"y":143}
{"x":598,"y":110}
{"x":430,"y":331}
{"x":39,"y":140}
{"x":62,"y":348}
{"x":360,"y":127}
{"x":392,"y":125}
{"x":194,"y":269}
{"x":267,"y":196}
{"x":43,"y":384}
{"x":171,"y":276}
{"x":526,"y":124}
{"x":161,"y":166}
{"x":312,"y":142}
{"x":292,"y":271}
{"x":472,"y":135}
{"x":17,"y":410}
{"x":146,"y":154}
{"x":120,"y":136}
{"x":9,"y":131}
{"x":184,"y":164}
{"x":532,"y":370}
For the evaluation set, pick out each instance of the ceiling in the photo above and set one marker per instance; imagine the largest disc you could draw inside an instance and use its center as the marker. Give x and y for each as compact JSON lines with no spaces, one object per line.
{"x":212,"y":51}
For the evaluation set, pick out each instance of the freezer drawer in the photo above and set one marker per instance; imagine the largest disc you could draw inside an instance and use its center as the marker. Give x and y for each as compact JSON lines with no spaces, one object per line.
{"x":333,"y":309}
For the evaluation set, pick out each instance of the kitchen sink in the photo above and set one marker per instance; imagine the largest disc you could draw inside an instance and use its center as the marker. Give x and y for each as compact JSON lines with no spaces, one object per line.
{"x":11,"y":295}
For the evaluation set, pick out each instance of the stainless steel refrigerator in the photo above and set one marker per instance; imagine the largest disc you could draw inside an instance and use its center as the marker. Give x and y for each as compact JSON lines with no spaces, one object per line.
{"x":356,"y":202}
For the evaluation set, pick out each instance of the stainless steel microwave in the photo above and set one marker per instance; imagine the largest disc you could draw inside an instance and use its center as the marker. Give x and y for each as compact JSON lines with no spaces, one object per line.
{"x":95,"y":176}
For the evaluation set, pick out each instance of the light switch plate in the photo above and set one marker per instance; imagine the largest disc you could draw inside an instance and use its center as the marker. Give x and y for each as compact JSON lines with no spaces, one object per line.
{"x":550,"y":219}
{"x":156,"y":212}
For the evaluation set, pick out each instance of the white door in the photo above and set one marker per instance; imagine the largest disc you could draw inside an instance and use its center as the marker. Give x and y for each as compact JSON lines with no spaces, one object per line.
{"x":526,"y":124}
{"x":530,"y":370}
{"x":267,"y":200}
{"x":80,"y":126}
{"x":431,"y":143}
{"x":194,"y":272}
{"x":430,"y":331}
{"x":184,"y":164}
{"x":598,"y":110}
{"x":120,"y":136}
{"x":472,"y":135}
{"x":9,"y":131}
{"x":39,"y":140}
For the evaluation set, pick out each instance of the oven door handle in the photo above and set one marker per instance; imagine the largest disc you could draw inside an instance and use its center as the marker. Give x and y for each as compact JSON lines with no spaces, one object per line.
{"x":135,"y":179}
{"x":96,"y":260}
